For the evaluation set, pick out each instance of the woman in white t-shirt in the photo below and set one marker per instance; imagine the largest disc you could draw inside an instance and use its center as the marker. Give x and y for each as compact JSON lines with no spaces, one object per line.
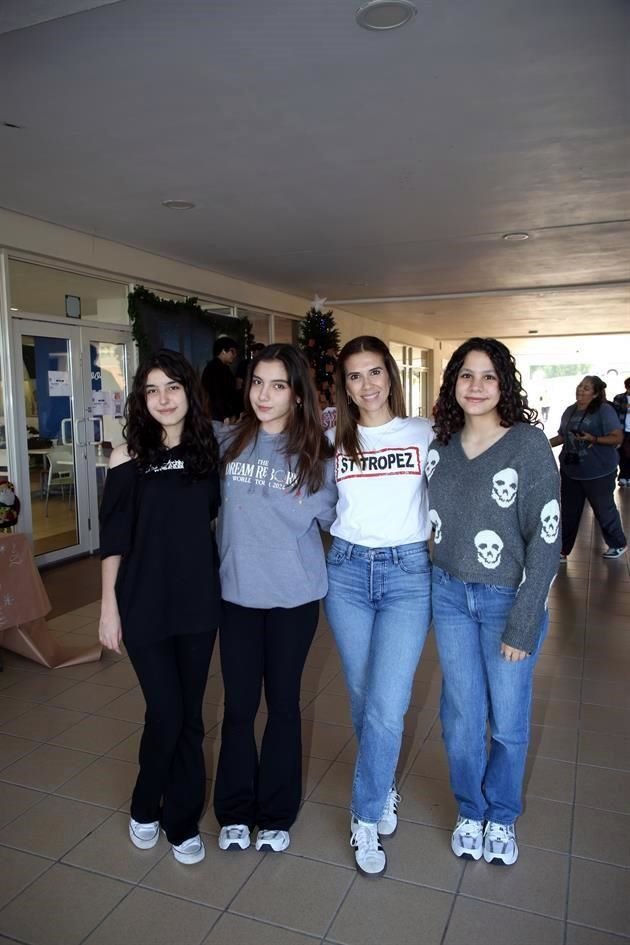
{"x":379,"y":576}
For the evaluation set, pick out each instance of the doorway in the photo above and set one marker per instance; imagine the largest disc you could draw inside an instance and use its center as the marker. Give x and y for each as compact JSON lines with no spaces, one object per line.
{"x":73,"y":382}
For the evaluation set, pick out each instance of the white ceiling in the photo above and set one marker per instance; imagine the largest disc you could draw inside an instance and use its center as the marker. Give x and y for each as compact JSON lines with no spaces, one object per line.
{"x":325,"y":158}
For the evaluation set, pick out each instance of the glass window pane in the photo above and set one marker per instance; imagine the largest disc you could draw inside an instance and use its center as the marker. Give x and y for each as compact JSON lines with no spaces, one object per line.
{"x":42,"y":290}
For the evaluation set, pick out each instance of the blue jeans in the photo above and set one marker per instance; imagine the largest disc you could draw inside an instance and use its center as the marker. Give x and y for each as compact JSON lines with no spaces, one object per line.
{"x":479,"y":685}
{"x":379,"y":609}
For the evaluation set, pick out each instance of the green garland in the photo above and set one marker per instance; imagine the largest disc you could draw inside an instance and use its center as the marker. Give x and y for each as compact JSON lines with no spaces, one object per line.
{"x":172,"y":307}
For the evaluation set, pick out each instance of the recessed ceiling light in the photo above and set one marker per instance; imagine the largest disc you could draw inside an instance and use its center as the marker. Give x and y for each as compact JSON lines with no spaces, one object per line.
{"x":385,"y":14}
{"x":11,"y":124}
{"x":515,"y":237}
{"x":178,"y":204}
{"x":532,"y":331}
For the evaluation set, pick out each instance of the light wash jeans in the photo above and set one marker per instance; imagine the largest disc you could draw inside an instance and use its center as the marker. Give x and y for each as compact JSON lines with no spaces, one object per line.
{"x":479,"y":685}
{"x":379,"y":608}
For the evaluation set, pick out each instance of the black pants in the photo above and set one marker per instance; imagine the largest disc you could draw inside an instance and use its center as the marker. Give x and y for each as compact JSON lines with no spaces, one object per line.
{"x":171,"y":785}
{"x":624,"y":457}
{"x":600,"y":495}
{"x":256,"y":646}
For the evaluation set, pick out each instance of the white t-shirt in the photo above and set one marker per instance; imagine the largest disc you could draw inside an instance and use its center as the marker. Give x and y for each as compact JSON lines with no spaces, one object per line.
{"x":383,"y":499}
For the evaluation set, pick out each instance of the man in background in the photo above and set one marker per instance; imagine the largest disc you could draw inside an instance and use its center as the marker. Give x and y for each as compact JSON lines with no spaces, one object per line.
{"x":219,"y":381}
{"x":621,"y":403}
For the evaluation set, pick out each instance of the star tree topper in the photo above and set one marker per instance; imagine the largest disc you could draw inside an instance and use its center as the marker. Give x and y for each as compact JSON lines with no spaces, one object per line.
{"x":318,"y":304}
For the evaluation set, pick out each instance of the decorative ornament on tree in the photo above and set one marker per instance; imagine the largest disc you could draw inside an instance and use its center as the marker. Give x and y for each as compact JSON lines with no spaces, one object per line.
{"x":319,"y":339}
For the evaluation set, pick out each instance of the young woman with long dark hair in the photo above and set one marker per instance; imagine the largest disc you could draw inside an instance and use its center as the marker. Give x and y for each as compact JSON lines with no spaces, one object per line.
{"x":493,"y":494}
{"x":277,"y":486}
{"x":379,"y":577}
{"x":161,"y":592}
{"x":590,"y":434}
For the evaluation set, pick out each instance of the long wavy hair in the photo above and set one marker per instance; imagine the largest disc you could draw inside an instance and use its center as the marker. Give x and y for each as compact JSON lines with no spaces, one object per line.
{"x":145,"y":436}
{"x":305,"y":443}
{"x":599,"y":387}
{"x":347,"y":435}
{"x":512,"y":407}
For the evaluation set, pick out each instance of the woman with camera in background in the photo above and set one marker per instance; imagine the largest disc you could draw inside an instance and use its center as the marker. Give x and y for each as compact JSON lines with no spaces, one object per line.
{"x":590,"y":433}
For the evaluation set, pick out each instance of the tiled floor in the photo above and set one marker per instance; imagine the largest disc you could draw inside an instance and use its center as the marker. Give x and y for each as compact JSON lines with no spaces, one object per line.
{"x":68,"y":743}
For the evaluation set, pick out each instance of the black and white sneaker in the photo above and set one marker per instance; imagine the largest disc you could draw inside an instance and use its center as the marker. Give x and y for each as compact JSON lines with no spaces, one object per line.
{"x":467,"y":838}
{"x":499,"y":844}
{"x":234,"y":837}
{"x":368,"y":852}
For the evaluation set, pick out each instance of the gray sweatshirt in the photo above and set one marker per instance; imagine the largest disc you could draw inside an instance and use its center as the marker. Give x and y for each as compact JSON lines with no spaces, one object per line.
{"x":496,"y":520}
{"x":268,"y":534}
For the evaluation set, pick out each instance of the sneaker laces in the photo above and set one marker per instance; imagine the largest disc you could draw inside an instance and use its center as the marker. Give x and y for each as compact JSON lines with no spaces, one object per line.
{"x":468,"y":828}
{"x":391,"y":804}
{"x":500,"y":833}
{"x":236,"y":831}
{"x":365,"y":838}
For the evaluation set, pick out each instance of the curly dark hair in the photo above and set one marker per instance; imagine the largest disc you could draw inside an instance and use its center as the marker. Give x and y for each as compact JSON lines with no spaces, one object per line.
{"x":305,"y":439}
{"x":599,"y":391}
{"x":512,"y":407}
{"x":145,"y":436}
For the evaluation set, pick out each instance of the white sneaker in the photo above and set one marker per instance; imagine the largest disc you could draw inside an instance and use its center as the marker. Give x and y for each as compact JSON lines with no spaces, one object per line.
{"x":369,"y":854}
{"x":190,"y":851}
{"x":467,"y":838}
{"x":389,"y":818}
{"x":234,"y":837}
{"x":144,"y":836}
{"x":274,"y":840}
{"x":614,"y":553}
{"x":499,"y":843}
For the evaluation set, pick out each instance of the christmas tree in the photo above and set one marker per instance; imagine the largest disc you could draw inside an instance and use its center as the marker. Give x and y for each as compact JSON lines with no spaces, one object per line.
{"x":319,"y":340}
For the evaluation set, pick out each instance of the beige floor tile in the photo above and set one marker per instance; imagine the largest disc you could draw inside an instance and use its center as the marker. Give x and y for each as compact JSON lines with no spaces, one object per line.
{"x":130,"y":707}
{"x":564,"y":688}
{"x":423,"y":855}
{"x":335,"y":787}
{"x":322,"y":832}
{"x":388,"y":911}
{"x":478,"y":923}
{"x":537,"y":882}
{"x":71,"y":621}
{"x":555,"y":665}
{"x":12,"y":748}
{"x":604,"y":788}
{"x":127,"y":750}
{"x":555,"y":712}
{"x":61,"y":907}
{"x":602,"y":835}
{"x":311,"y":893}
{"x":607,"y":670}
{"x":37,"y":688}
{"x":86,"y":697}
{"x":428,"y":801}
{"x":109,"y":850}
{"x":583,"y":935}
{"x":546,"y":824}
{"x":237,"y":930}
{"x":47,"y":767}
{"x":610,"y":751}
{"x":552,"y":741}
{"x":42,"y":722}
{"x":107,"y":782}
{"x":313,"y":770}
{"x":554,"y":780}
{"x":18,"y":870}
{"x":606,"y":692}
{"x":150,"y":918}
{"x":328,"y":707}
{"x":96,"y":734}
{"x":213,"y":882}
{"x":431,"y":761}
{"x":14,"y":800}
{"x":321,"y":740}
{"x":10,"y":708}
{"x":52,"y":827}
{"x":598,"y":896}
{"x":596,"y":718}
{"x":119,"y":675}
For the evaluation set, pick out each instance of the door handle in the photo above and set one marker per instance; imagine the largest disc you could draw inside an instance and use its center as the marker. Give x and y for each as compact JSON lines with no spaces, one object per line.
{"x":80,"y":442}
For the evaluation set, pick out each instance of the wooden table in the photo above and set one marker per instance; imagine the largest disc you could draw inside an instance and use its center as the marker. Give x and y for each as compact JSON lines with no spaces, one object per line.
{"x":23,"y":606}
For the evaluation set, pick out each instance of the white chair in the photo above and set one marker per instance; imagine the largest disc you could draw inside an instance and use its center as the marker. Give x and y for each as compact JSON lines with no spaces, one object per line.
{"x":60,"y":471}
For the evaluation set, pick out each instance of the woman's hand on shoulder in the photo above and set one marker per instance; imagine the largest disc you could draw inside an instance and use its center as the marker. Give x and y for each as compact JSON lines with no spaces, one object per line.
{"x":119,"y":456}
{"x":511,"y":654}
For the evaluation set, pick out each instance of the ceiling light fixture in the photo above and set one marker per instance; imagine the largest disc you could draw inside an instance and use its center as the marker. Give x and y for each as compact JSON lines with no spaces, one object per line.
{"x":385,"y":14}
{"x":178,"y":204}
{"x":14,"y":309}
{"x":532,"y":331}
{"x":515,"y":237}
{"x":11,"y":124}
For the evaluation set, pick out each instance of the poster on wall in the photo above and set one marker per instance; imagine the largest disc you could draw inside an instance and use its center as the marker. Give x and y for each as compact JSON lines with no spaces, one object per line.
{"x":58,"y":384}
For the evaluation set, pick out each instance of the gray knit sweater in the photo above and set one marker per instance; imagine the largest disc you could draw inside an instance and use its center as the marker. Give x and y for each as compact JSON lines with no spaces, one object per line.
{"x":496,"y":520}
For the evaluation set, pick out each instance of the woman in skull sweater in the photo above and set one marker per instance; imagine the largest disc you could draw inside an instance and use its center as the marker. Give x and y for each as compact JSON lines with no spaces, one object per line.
{"x":493,"y":497}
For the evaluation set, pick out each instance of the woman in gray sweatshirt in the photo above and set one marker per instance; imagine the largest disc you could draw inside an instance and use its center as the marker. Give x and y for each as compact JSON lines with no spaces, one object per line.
{"x":277,"y":488}
{"x":493,"y":502}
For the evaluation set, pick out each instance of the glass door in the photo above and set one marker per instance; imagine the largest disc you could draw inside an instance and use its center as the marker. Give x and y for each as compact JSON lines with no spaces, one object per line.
{"x":73,"y":387}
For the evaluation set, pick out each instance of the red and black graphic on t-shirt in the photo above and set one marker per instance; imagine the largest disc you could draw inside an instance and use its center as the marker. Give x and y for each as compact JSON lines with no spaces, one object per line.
{"x":391,"y":461}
